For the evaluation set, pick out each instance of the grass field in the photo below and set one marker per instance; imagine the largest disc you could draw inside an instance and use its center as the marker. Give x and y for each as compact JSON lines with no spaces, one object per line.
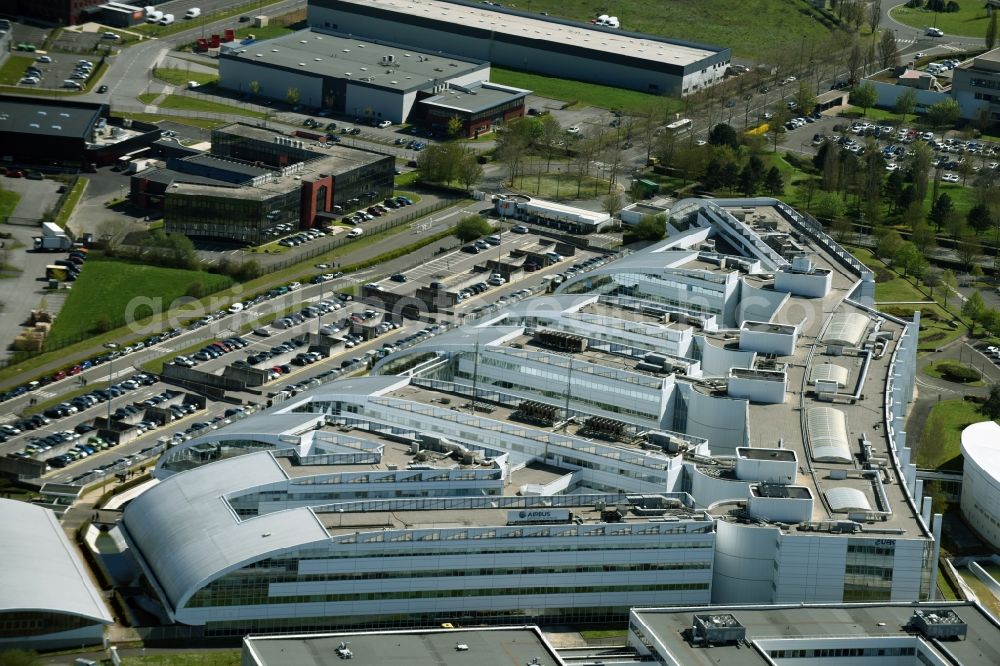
{"x":942,"y":434}
{"x":935,"y":328}
{"x":751,"y":28}
{"x":178,"y":76}
{"x":198,"y":104}
{"x":70,"y":202}
{"x":13,"y":70}
{"x":934,"y":370}
{"x":8,"y":202}
{"x":203,"y":123}
{"x":212,"y":658}
{"x":113,"y":287}
{"x":566,"y":90}
{"x":969,"y":21}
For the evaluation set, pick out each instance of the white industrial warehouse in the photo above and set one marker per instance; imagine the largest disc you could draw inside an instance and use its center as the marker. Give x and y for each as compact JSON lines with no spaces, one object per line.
{"x":674,"y":427}
{"x":523,"y":40}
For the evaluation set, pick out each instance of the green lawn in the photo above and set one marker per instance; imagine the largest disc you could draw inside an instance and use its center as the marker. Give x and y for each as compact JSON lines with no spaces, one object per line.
{"x":8,"y":202}
{"x":752,"y":28}
{"x":186,"y":103}
{"x":969,"y":21}
{"x":120,"y":289}
{"x":70,"y":202}
{"x":203,"y":123}
{"x":941,"y":437}
{"x":406,"y":179}
{"x":590,"y":94}
{"x":212,"y":658}
{"x":269,"y":31}
{"x":177,"y":76}
{"x":936,"y":329}
{"x":934,"y":370}
{"x":13,"y":69}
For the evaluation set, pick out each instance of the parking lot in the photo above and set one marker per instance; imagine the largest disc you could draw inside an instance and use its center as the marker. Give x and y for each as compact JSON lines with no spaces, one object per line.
{"x":280,"y":348}
{"x":52,"y":71}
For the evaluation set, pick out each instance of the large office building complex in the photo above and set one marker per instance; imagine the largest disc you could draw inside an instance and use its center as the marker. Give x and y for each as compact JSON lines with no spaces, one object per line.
{"x":715,"y":419}
{"x":530,"y":42}
{"x":258,"y":183}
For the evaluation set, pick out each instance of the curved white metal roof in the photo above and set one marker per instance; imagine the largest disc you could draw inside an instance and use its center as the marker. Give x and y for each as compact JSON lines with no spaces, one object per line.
{"x":981,"y":445}
{"x":844,"y":500}
{"x":41,"y":571}
{"x":829,"y":372}
{"x":827,"y":428}
{"x":188,"y":534}
{"x":846,"y":328}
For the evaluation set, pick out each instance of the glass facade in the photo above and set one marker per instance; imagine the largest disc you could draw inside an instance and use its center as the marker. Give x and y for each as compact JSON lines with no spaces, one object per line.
{"x":228,"y":216}
{"x":868,"y":574}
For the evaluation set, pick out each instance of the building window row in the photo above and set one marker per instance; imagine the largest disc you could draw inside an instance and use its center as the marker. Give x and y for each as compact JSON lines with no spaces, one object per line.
{"x":512,"y":571}
{"x":251,"y":595}
{"x":824,"y":653}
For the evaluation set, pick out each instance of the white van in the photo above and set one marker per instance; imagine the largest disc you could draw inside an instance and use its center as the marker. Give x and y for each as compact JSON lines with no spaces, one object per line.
{"x":355,"y":232}
{"x":235,"y":307}
{"x":153,"y":15}
{"x":167,"y":19}
{"x":194,"y":12}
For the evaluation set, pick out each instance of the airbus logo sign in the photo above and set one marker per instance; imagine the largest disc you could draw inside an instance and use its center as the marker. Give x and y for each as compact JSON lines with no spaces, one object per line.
{"x":538,"y":516}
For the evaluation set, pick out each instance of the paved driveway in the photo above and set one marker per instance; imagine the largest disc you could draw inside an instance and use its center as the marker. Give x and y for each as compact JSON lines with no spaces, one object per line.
{"x":23,"y":292}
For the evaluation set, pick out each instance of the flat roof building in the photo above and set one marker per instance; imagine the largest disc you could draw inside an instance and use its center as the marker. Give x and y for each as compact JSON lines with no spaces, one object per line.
{"x":499,"y":646}
{"x":647,"y":434}
{"x":371,"y":77}
{"x":258,"y":184}
{"x":941,"y":634}
{"x":48,"y":600}
{"x":66,"y":132}
{"x":529,"y":42}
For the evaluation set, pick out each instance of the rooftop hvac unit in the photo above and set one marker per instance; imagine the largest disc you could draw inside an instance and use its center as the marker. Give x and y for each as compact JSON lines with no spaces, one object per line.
{"x":939,"y":623}
{"x":802,"y":264}
{"x":561,"y":340}
{"x":605,"y":426}
{"x":541,"y":412}
{"x":717,"y":629}
{"x":668,"y":442}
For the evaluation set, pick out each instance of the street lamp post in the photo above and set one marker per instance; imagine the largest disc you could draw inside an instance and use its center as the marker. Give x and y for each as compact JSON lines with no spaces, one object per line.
{"x":111,"y":363}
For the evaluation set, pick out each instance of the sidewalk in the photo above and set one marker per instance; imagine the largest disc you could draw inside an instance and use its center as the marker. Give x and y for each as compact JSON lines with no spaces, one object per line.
{"x":362,"y":254}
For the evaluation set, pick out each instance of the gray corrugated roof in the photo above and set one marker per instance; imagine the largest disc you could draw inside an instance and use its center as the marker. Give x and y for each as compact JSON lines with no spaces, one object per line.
{"x":188,"y":534}
{"x":41,"y":571}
